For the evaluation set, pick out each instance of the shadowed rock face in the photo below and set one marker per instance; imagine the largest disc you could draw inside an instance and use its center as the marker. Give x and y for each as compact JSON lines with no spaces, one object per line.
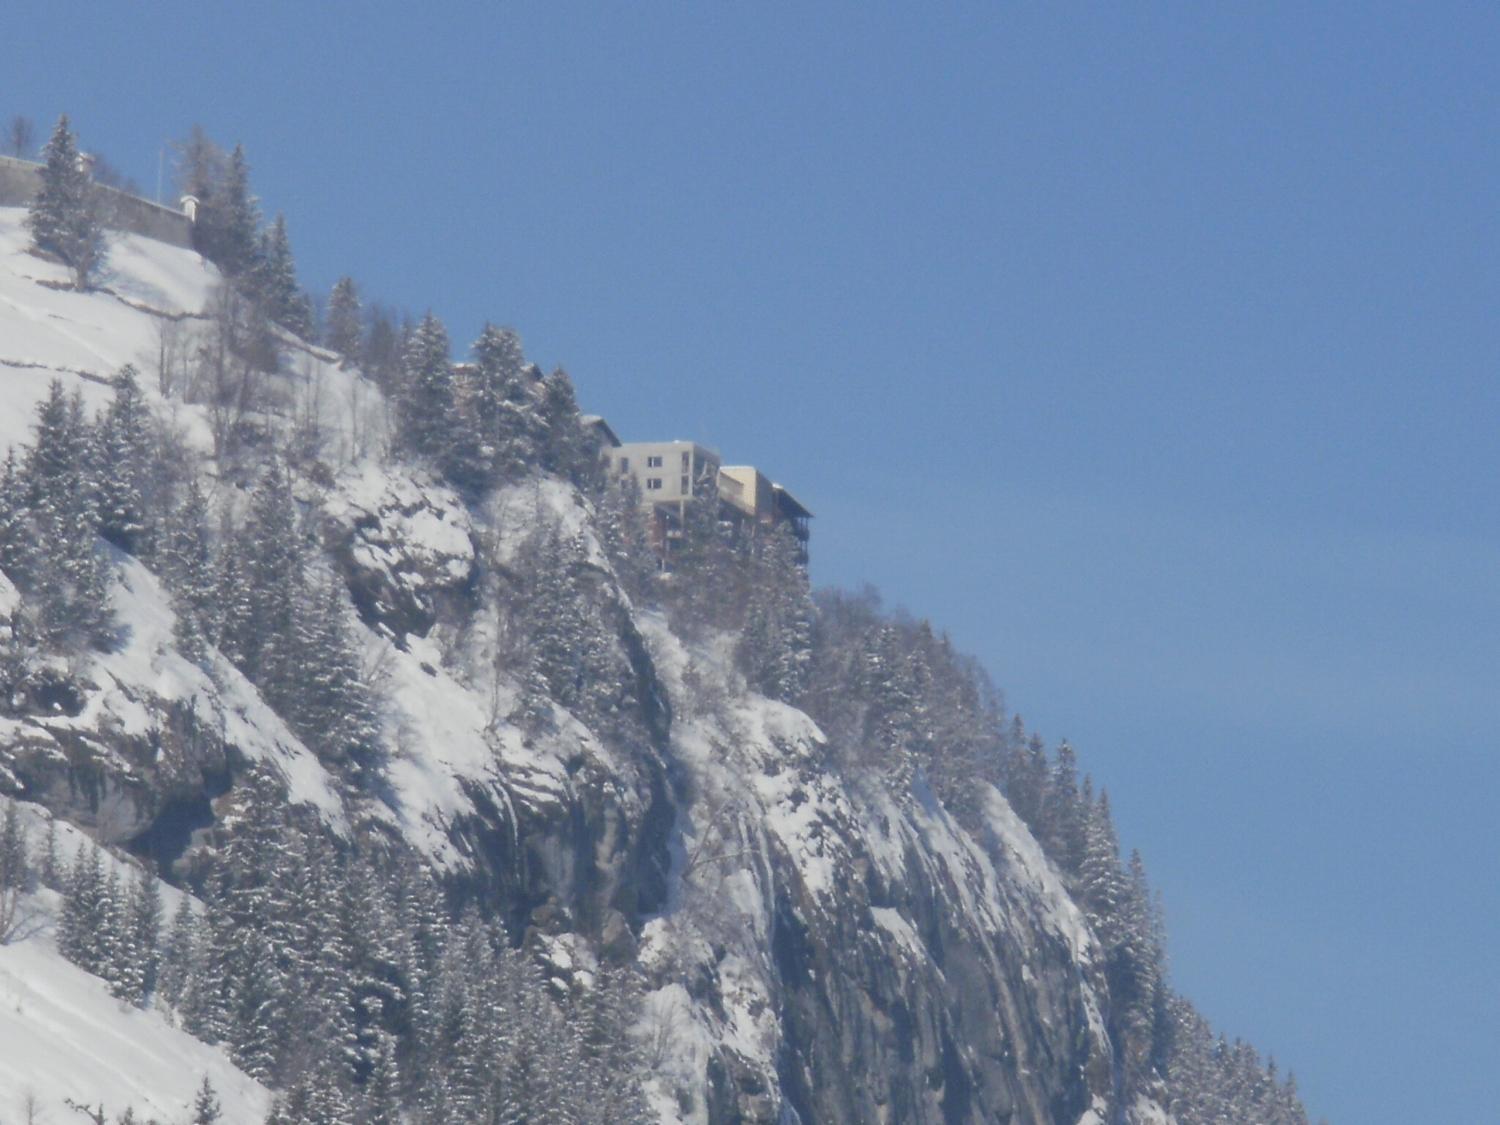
{"x":407,"y":554}
{"x":929,"y":1014}
{"x":124,"y":786}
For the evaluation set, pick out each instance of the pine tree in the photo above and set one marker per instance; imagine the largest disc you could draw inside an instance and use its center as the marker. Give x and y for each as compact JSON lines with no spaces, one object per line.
{"x":178,"y":954}
{"x":201,"y":168}
{"x":69,"y":575}
{"x":1101,"y":879}
{"x":242,"y":991}
{"x":625,"y":535}
{"x":206,"y":1108}
{"x":124,"y":462}
{"x":426,"y":405}
{"x":275,"y":581}
{"x":500,"y":419}
{"x":122,"y":960}
{"x":371,"y":964}
{"x":420,"y":924}
{"x":143,"y":919}
{"x":18,"y":550}
{"x":703,"y":562}
{"x":234,"y":599}
{"x":565,"y":449}
{"x":887,"y":679}
{"x":335,"y":711}
{"x":56,"y":466}
{"x":461,"y":1047}
{"x":1064,"y":828}
{"x":187,"y":562}
{"x":305,"y":919}
{"x":85,"y":925}
{"x":203,"y":989}
{"x":275,"y":282}
{"x":318,"y":1098}
{"x":776,"y":641}
{"x":64,"y":218}
{"x":258,"y":1004}
{"x":1026,"y":775}
{"x":606,"y":1012}
{"x":382,"y":1090}
{"x":380,"y":355}
{"x":15,"y":864}
{"x":1137,"y":974}
{"x":237,"y":252}
{"x":47,"y":864}
{"x":555,"y":624}
{"x":342,"y":331}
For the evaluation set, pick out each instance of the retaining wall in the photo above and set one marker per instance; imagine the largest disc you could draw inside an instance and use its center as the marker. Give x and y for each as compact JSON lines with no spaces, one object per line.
{"x":21,"y":179}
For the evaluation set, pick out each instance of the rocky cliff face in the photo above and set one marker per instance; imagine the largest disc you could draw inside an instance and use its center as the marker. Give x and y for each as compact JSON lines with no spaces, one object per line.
{"x":812,"y":950}
{"x":816,"y":952}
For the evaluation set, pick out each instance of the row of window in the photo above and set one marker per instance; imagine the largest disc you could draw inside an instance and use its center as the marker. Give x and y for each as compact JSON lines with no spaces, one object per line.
{"x":655,"y":484}
{"x":656,"y":462}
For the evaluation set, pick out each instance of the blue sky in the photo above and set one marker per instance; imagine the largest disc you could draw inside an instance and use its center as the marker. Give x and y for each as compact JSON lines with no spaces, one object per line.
{"x":1151,"y":352}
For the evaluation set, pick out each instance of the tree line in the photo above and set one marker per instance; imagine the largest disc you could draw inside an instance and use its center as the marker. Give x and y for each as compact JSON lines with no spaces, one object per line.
{"x":345,"y":979}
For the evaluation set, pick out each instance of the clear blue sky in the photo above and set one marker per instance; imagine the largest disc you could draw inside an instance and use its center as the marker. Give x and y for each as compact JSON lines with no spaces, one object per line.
{"x":1153,"y":354}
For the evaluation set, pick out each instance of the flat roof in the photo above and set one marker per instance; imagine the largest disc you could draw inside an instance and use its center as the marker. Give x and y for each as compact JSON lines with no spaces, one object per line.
{"x":597,"y":422}
{"x":794,"y":506}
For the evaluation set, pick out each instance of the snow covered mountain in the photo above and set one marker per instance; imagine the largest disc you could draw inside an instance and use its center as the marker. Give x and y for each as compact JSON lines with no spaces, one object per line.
{"x":811,"y":942}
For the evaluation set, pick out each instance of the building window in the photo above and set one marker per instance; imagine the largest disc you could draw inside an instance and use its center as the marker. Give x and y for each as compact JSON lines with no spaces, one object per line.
{"x":685,"y":488}
{"x":653,"y":462}
{"x":624,"y":464}
{"x":653,"y":484}
{"x":687,"y":462}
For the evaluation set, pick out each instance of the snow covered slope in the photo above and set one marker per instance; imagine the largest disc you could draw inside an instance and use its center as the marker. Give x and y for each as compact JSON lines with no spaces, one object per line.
{"x":64,"y":1037}
{"x":47,"y":330}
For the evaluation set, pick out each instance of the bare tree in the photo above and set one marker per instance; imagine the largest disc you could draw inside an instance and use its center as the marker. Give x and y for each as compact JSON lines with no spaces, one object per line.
{"x":97,"y":1116}
{"x":667,"y":1021}
{"x":359,"y":421}
{"x":234,"y":358}
{"x":107,"y":175}
{"x":20,"y":136}
{"x":716,"y":845}
{"x":172,"y":349}
{"x":10,"y":912}
{"x":308,"y":393}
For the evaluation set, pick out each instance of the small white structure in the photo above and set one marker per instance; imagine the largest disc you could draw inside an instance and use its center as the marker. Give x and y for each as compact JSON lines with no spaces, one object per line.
{"x":190,"y":207}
